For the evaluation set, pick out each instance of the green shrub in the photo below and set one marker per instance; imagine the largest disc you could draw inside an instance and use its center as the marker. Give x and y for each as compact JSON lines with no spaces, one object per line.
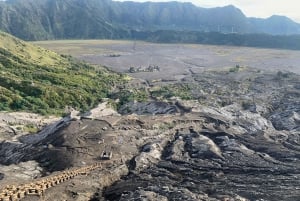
{"x":234,"y":69}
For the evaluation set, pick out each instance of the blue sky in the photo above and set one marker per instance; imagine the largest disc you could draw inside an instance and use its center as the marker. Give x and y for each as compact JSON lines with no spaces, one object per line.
{"x":252,"y":8}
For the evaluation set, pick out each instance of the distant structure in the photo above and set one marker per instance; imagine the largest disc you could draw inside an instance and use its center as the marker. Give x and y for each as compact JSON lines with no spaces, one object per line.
{"x":134,"y":45}
{"x":150,"y":68}
{"x":106,"y":155}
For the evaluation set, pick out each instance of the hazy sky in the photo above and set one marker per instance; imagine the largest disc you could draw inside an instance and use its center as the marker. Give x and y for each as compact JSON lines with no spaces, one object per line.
{"x":252,"y":8}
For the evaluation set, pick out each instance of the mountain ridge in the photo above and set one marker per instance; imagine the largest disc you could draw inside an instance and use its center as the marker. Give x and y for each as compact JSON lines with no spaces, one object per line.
{"x":56,"y":19}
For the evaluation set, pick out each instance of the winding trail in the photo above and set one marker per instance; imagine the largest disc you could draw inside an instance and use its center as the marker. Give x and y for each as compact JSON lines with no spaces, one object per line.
{"x":39,"y":186}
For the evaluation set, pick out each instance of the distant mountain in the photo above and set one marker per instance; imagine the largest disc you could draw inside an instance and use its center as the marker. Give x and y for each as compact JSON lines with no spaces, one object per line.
{"x":276,"y":25}
{"x":61,"y":19}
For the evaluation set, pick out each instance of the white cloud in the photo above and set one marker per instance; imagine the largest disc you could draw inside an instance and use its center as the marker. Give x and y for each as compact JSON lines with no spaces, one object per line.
{"x":252,"y":8}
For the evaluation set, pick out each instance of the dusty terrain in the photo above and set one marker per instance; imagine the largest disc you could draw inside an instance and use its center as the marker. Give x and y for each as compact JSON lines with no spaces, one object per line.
{"x":174,"y":60}
{"x":238,"y":139}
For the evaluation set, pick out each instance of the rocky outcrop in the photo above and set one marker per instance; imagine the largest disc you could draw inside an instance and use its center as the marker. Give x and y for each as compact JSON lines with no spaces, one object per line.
{"x":102,"y":110}
{"x":287,"y":119}
{"x":150,"y":154}
{"x":225,"y":158}
{"x":22,"y":172}
{"x":152,"y":108}
{"x":211,"y":154}
{"x":16,"y":124}
{"x":186,"y":151}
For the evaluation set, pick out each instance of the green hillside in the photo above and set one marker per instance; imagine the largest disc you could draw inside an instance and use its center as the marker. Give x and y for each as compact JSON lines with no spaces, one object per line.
{"x":38,"y":80}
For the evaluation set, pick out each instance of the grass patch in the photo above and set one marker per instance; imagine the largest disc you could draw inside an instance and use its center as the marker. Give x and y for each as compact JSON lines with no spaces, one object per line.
{"x":182,"y":91}
{"x":30,"y":128}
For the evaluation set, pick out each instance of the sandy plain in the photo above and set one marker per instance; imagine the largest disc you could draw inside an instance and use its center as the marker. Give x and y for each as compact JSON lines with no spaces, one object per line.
{"x":175,"y":60}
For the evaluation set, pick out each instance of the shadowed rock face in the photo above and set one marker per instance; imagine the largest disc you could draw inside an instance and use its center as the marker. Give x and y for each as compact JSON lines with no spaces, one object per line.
{"x":214,"y":165}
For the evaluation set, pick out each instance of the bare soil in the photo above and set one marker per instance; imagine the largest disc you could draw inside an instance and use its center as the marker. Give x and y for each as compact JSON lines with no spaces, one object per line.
{"x":174,"y":60}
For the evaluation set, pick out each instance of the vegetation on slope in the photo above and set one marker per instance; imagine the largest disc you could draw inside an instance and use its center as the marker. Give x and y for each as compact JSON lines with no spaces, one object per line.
{"x":38,"y":80}
{"x":214,"y":38}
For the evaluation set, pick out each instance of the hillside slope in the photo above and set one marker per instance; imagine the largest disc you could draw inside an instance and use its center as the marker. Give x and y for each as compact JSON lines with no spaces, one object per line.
{"x":38,"y":80}
{"x":56,"y":19}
